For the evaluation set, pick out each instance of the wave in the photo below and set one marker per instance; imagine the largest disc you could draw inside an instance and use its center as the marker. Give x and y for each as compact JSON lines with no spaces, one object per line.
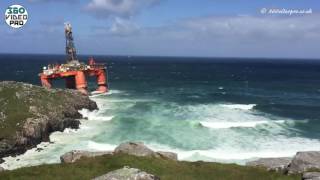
{"x":114,"y":91}
{"x":281,"y":147}
{"x":239,"y":106}
{"x":97,"y":94}
{"x":225,"y":125}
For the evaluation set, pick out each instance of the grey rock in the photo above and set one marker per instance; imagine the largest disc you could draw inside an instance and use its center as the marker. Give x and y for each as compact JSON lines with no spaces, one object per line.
{"x":311,"y":176}
{"x":134,"y":148}
{"x":127,"y":173}
{"x":1,"y":169}
{"x":168,"y":155}
{"x":272,"y":164}
{"x":304,"y":161}
{"x":73,"y":156}
{"x":139,"y":149}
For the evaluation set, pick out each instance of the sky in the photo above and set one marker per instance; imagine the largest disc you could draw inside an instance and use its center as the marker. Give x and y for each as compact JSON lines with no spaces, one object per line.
{"x":201,"y":28}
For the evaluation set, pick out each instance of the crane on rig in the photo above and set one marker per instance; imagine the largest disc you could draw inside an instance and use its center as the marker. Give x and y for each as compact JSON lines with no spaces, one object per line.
{"x":74,"y":72}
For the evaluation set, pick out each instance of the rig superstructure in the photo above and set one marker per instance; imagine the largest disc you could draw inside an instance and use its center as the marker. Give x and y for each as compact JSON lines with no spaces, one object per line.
{"x":75,"y":72}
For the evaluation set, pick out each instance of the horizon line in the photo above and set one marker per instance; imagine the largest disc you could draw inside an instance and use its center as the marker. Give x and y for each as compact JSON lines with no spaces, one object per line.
{"x":173,"y":56}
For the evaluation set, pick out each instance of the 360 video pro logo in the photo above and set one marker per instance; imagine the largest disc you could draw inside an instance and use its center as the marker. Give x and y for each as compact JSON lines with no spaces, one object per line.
{"x":16,"y":16}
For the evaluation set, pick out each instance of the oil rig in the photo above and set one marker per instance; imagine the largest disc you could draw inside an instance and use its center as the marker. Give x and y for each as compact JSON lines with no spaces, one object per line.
{"x":75,"y":72}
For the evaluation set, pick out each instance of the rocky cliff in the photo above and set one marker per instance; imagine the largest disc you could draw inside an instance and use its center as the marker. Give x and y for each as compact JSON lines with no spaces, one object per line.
{"x":29,"y":113}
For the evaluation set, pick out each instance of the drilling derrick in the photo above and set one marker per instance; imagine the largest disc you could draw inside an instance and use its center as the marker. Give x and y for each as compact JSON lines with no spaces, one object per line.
{"x":70,"y":49}
{"x":74,"y":72}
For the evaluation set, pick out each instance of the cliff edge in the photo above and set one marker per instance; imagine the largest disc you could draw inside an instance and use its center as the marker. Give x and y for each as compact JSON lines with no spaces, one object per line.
{"x":29,"y":113}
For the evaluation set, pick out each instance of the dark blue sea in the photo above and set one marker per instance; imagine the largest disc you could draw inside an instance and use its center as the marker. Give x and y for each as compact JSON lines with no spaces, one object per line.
{"x":211,"y":109}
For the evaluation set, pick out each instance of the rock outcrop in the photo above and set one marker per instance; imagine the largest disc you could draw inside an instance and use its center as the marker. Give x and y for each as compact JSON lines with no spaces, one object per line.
{"x":139,"y":149}
{"x":304,"y":161}
{"x":29,"y":113}
{"x":134,"y":148}
{"x":311,"y":176}
{"x":272,"y":164}
{"x":73,"y":156}
{"x":127,"y":173}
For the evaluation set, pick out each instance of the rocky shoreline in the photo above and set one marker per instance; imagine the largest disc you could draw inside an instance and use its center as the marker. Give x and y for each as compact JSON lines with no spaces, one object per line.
{"x":29,"y":114}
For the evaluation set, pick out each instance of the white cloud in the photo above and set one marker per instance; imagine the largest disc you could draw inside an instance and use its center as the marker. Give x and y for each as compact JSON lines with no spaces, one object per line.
{"x":254,"y":27}
{"x":123,"y":27}
{"x":119,"y":27}
{"x":240,"y":36}
{"x":122,"y":8}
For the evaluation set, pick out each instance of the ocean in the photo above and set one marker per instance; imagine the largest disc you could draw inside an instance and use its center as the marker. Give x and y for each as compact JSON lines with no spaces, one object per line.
{"x":229,"y":110}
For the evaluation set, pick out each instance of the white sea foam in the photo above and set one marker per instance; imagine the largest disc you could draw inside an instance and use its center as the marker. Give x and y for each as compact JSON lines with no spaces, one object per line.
{"x":99,"y":94}
{"x":114,"y":91}
{"x":69,"y":130}
{"x":223,"y":125}
{"x":94,"y":146}
{"x":281,"y":147}
{"x":239,"y":106}
{"x":94,"y":115}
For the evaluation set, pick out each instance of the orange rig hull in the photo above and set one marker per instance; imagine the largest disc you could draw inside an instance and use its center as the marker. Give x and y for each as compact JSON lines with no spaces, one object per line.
{"x":77,"y":79}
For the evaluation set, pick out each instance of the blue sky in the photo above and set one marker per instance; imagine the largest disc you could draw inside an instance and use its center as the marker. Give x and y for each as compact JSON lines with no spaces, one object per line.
{"x":210,"y":28}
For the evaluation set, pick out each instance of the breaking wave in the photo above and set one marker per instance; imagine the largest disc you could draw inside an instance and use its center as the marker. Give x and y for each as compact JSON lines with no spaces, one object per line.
{"x":223,"y":125}
{"x":239,"y":106}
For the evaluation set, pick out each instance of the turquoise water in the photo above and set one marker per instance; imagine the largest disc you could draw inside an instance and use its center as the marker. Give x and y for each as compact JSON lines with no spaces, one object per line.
{"x":225,"y":110}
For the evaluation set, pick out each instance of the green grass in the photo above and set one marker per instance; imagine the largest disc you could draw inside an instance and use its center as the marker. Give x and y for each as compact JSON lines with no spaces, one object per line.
{"x":15,"y":112}
{"x":88,"y":168}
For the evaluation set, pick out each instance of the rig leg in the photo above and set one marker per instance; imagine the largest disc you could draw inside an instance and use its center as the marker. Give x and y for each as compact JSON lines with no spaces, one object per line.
{"x":101,"y":81}
{"x":81,"y":82}
{"x":45,"y":82}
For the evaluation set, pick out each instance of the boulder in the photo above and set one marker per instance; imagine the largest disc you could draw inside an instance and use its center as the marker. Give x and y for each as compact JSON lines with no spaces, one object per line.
{"x":127,"y":173}
{"x":73,"y":156}
{"x":272,"y":164}
{"x":304,"y":161}
{"x":134,"y":148}
{"x":311,"y":176}
{"x":139,"y":149}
